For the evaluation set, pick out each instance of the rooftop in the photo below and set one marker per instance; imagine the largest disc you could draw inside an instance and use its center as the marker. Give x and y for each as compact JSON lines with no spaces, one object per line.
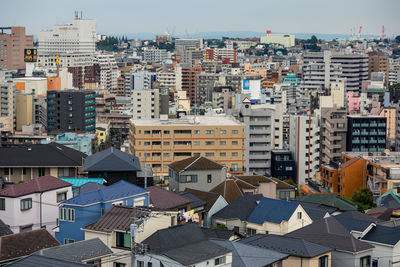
{"x":272,"y":210}
{"x":195,"y":163}
{"x":163,"y":199}
{"x":389,"y":159}
{"x":190,"y":120}
{"x":112,"y":159}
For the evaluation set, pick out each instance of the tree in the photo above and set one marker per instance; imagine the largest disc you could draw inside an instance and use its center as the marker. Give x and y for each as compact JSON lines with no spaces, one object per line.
{"x":398,"y":38}
{"x":314,"y":39}
{"x":363,"y":198}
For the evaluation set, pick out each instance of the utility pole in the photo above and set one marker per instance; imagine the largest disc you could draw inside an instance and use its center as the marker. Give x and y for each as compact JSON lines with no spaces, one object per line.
{"x":145,"y":169}
{"x":133,"y":235}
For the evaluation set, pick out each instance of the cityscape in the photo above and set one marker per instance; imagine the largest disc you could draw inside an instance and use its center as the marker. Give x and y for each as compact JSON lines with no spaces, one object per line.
{"x":255,"y":144}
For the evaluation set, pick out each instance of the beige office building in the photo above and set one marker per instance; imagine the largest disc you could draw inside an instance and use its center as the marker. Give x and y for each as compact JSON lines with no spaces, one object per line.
{"x":219,"y":138}
{"x":7,"y":102}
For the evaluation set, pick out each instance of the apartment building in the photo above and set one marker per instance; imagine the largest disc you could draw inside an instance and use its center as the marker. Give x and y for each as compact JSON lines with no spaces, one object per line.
{"x":394,"y":71}
{"x":7,"y":109}
{"x":109,"y":72}
{"x":155,"y":55}
{"x":13,"y":41}
{"x":145,"y":104}
{"x":70,"y":111}
{"x":143,"y":80}
{"x":304,"y":144}
{"x":227,"y":55}
{"x":167,"y":79}
{"x":366,"y":133}
{"x":186,"y":80}
{"x":163,"y":140}
{"x":378,"y":62}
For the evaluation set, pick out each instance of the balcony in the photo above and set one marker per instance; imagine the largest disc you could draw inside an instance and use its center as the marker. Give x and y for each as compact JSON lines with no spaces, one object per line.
{"x":364,"y":124}
{"x":89,"y":109}
{"x":356,"y":124}
{"x":373,"y":133}
{"x":364,"y":141}
{"x":364,"y":133}
{"x":381,"y":124}
{"x":373,"y":141}
{"x":382,"y":133}
{"x":90,"y":115}
{"x":381,"y":141}
{"x":356,"y":133}
{"x":373,"y":124}
{"x":356,"y":141}
{"x":90,"y":103}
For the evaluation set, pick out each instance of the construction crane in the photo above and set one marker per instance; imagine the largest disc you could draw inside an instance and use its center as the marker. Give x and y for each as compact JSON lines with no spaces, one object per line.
{"x":359,"y":32}
{"x":383,"y":32}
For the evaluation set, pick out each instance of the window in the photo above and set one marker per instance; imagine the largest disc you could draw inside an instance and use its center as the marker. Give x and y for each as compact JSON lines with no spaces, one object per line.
{"x":166,"y":132}
{"x":251,"y":232}
{"x":149,"y":264}
{"x":210,"y":143}
{"x":299,"y":215}
{"x":365,"y":261}
{"x":235,"y":143}
{"x":188,"y":179}
{"x":140,"y":264}
{"x":2,"y":204}
{"x":68,"y":241}
{"x":235,"y":131}
{"x":223,"y":132}
{"x":209,"y":131}
{"x":61,"y":196}
{"x":42,"y":171}
{"x":71,"y":215}
{"x":63,"y":172}
{"x":25,"y":228}
{"x":209,"y":154}
{"x":222,"y":154}
{"x":235,"y":154}
{"x":63,"y":214}
{"x":118,"y":264}
{"x":288,"y":168}
{"x":220,"y":260}
{"x":123,"y":240}
{"x":196,"y":143}
{"x":26,"y":204}
{"x":323,"y":261}
{"x":166,"y":154}
{"x":209,"y":178}
{"x":24,"y":171}
{"x":196,"y":131}
{"x":138,"y":202}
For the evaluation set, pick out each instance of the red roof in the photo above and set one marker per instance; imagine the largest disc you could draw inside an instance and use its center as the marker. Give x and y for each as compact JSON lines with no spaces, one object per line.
{"x":163,"y":199}
{"x":36,"y":185}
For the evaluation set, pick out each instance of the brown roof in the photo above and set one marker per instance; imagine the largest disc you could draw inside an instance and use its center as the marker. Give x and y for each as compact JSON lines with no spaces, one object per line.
{"x":36,"y":185}
{"x":117,"y":218}
{"x":230,"y":189}
{"x":195,"y":163}
{"x":208,"y":197}
{"x":254,"y":179}
{"x":281,"y":184}
{"x":25,"y":243}
{"x":349,"y":162}
{"x":163,"y":199}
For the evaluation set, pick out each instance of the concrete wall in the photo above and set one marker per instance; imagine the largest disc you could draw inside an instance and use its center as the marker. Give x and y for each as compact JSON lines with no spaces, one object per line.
{"x":217,"y":177}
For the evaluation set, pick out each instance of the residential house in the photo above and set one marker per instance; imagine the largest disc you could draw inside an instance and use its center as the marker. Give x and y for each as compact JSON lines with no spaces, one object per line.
{"x":82,"y":142}
{"x":223,"y":234}
{"x":232,"y":189}
{"x":114,"y":227}
{"x":33,"y":204}
{"x":183,"y":245}
{"x":197,"y":205}
{"x":330,"y":200}
{"x":87,"y":208}
{"x":355,"y":222}
{"x":276,"y":217}
{"x":81,"y":185}
{"x":301,"y":252}
{"x":234,"y":216}
{"x":284,"y":191}
{"x":198,"y":173}
{"x":42,"y":261}
{"x":316,"y":211}
{"x":23,"y":163}
{"x":92,"y":251}
{"x":214,"y":203}
{"x":381,"y":213}
{"x":389,"y":200}
{"x":5,"y":229}
{"x":15,"y":246}
{"x":114,"y":165}
{"x":347,"y":250}
{"x":244,"y":255}
{"x":167,"y":200}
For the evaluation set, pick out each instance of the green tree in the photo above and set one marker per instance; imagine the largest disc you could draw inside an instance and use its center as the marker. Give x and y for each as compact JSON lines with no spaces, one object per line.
{"x":398,"y":38}
{"x":21,"y":181}
{"x":363,"y":199}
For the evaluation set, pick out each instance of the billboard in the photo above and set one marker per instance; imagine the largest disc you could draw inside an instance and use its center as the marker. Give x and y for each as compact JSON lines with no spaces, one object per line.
{"x":252,"y":87}
{"x":30,"y":55}
{"x":246,"y":85}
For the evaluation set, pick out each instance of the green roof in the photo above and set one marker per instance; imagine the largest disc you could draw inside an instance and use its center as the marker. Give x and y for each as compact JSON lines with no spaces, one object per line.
{"x":376,"y":90}
{"x":330,"y":200}
{"x":388,"y":192}
{"x":76,"y":182}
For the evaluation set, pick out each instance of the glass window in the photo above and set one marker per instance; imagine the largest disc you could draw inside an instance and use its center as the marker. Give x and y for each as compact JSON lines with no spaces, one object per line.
{"x":235,"y":154}
{"x":63,"y":172}
{"x":220,"y":260}
{"x":2,"y":204}
{"x":223,"y":132}
{"x":123,"y":240}
{"x":26,"y":204}
{"x":61,"y":196}
{"x":196,"y":131}
{"x":299,"y":215}
{"x":235,"y":131}
{"x":71,"y":215}
{"x":210,"y":154}
{"x":222,"y":143}
{"x":196,"y":143}
{"x":365,"y":261}
{"x":209,"y":131}
{"x":235,"y":142}
{"x":209,"y":178}
{"x":222,"y":154}
{"x":323,"y":261}
{"x":210,"y":143}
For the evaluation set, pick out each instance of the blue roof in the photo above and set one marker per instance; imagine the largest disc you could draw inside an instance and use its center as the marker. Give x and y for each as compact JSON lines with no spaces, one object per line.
{"x":272,"y":210}
{"x":76,"y":182}
{"x":118,"y":190}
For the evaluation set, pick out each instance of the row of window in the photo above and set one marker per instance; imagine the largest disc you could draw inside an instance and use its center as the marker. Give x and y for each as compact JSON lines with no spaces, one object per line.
{"x":196,"y":143}
{"x":186,"y":132}
{"x":67,"y":214}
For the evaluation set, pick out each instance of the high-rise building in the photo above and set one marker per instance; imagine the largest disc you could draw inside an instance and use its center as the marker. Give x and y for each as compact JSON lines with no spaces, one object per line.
{"x":186,"y":80}
{"x":304,"y":144}
{"x":155,"y":55}
{"x":71,"y":111}
{"x":109,"y":71}
{"x":143,"y":80}
{"x":30,"y":109}
{"x":366,"y":133}
{"x":166,"y":79}
{"x":378,"y":62}
{"x":145,"y":104}
{"x":218,"y":138}
{"x":12,"y":47}
{"x":7,"y":106}
{"x":227,"y":55}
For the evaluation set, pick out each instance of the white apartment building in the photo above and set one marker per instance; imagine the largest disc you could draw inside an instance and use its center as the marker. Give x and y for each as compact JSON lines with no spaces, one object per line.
{"x":188,"y":44}
{"x":394,"y":71}
{"x":109,"y":71}
{"x":287,"y":40}
{"x":167,"y":79}
{"x":304,"y":144}
{"x":143,"y":80}
{"x":224,"y":53}
{"x":7,"y":106}
{"x":155,"y":55}
{"x":146,"y":104}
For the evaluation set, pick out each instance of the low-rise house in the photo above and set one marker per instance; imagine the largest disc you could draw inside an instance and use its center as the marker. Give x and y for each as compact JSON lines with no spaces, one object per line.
{"x":167,"y":200}
{"x":263,"y":185}
{"x":195,"y":172}
{"x":381,"y":213}
{"x":390,"y":200}
{"x":92,"y":251}
{"x":356,"y":222}
{"x":223,"y":234}
{"x":214,"y":203}
{"x":23,"y":163}
{"x":301,"y":252}
{"x":183,"y":245}
{"x":113,"y":228}
{"x":233,"y":188}
{"x":42,"y":261}
{"x":284,"y":191}
{"x":276,"y":217}
{"x":347,"y":250}
{"x":197,"y":205}
{"x":114,"y":165}
{"x":33,"y":204}
{"x":87,"y":208}
{"x":79,"y":185}
{"x":244,"y":255}
{"x":330,"y":200}
{"x":234,"y":216}
{"x":316,"y":211}
{"x":15,"y":246}
{"x":82,"y":142}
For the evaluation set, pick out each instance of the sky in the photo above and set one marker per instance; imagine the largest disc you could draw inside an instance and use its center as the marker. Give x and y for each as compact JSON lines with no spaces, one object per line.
{"x":191,"y":17}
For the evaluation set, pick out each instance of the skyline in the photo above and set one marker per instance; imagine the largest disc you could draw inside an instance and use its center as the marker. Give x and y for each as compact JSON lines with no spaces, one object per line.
{"x":208,"y":16}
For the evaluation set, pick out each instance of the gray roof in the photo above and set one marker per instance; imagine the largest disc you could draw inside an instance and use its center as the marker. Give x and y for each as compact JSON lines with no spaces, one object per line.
{"x":195,"y":201}
{"x":329,"y":232}
{"x":88,"y":187}
{"x":78,"y":251}
{"x":355,"y":220}
{"x":112,"y":159}
{"x":244,"y":255}
{"x":316,"y":211}
{"x":186,"y":244}
{"x":288,"y":245}
{"x":241,"y":208}
{"x":4,"y":229}
{"x":384,"y":235}
{"x":42,"y":261}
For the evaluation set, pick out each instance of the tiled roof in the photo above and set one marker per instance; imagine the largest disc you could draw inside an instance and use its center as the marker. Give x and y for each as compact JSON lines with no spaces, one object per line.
{"x":195,"y":201}
{"x":384,"y":235}
{"x":117,"y":190}
{"x":163,"y":199}
{"x":25,"y":243}
{"x":42,"y":261}
{"x":316,"y":211}
{"x":230,"y":189}
{"x":195,"y":163}
{"x":282,"y":185}
{"x":254,"y":180}
{"x":45,"y":155}
{"x":329,"y":232}
{"x":330,"y":200}
{"x":112,"y":159}
{"x":240,"y":209}
{"x":36,"y":185}
{"x":77,"y":251}
{"x":272,"y":210}
{"x":208,"y":197}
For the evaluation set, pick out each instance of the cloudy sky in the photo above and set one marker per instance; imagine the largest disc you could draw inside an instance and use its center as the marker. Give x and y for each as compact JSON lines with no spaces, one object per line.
{"x":190,"y":17}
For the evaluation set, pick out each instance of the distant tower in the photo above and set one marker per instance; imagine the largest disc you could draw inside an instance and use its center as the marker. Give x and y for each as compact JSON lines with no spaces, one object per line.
{"x":383,"y":32}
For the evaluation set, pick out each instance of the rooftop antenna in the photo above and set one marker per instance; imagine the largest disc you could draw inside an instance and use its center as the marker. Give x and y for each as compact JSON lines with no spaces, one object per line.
{"x":81,"y":14}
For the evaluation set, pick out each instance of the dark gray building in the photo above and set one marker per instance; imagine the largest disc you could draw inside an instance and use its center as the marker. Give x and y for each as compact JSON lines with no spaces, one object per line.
{"x":366,"y":133}
{"x":70,"y":111}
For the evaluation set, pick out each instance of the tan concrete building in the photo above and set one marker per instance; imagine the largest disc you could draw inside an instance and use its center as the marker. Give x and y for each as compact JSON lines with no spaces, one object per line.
{"x":12,"y":47}
{"x":378,"y":62}
{"x":23,"y":110}
{"x":390,"y":114}
{"x":219,"y":138}
{"x":7,"y":102}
